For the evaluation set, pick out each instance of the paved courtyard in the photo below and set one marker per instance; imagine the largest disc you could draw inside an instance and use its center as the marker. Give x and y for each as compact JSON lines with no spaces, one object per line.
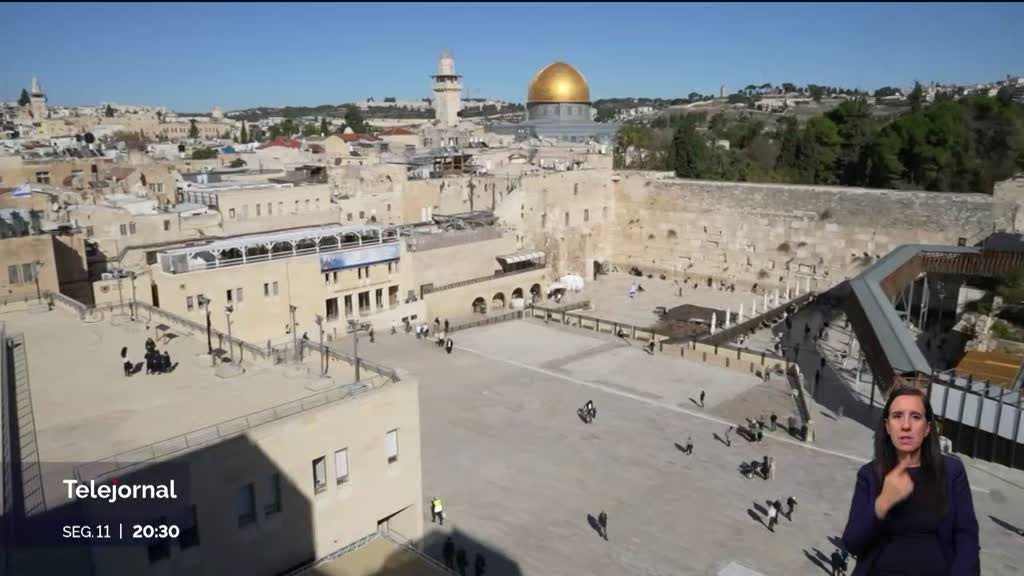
{"x":520,"y":473}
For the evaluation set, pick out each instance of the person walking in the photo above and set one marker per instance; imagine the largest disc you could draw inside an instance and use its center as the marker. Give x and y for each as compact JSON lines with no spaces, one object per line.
{"x":448,"y":345}
{"x":460,"y":561}
{"x":436,"y":510}
{"x":479,"y":565}
{"x":728,"y":440}
{"x":372,"y":340}
{"x":394,"y":327}
{"x":437,"y":324}
{"x":790,"y":506}
{"x":448,"y":553}
{"x":602,"y":522}
{"x":689,"y":446}
{"x":774,"y":419}
{"x":446,"y":330}
{"x":701,"y":398}
{"x":764,"y":468}
{"x":773,"y":517}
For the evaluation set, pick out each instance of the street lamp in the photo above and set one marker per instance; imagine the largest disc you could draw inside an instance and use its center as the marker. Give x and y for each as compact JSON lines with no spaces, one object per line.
{"x":354,"y":328}
{"x":227,"y":314}
{"x":37,"y":264}
{"x":132,"y":307}
{"x":324,"y":358}
{"x":295,"y":331}
{"x":205,"y":302}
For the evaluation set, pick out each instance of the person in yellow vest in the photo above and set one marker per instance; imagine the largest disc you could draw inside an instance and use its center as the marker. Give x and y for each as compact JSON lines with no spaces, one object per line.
{"x":437,"y":510}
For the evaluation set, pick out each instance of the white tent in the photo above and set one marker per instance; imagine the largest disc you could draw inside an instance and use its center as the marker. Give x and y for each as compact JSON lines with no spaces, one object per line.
{"x":573,"y":282}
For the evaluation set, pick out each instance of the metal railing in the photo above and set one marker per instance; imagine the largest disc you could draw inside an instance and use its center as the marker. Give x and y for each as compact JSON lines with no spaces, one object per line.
{"x":514,"y":315}
{"x":497,"y":274}
{"x":182,"y":443}
{"x":351,"y":547}
{"x":407,"y":544}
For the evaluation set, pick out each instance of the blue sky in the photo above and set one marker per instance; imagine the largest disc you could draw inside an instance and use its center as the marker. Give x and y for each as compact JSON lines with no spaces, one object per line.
{"x":192,"y":56}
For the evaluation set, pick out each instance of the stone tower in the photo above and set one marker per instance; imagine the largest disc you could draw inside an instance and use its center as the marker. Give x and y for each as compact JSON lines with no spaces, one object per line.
{"x":447,"y":92}
{"x":37,"y":101}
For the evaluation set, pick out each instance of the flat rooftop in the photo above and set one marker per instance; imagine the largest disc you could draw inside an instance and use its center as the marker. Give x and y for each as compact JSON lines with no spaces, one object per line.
{"x":85,"y":409}
{"x":519,"y":472}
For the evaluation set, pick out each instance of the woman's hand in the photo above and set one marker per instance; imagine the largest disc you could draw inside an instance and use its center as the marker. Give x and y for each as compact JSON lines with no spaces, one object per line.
{"x":897,"y":487}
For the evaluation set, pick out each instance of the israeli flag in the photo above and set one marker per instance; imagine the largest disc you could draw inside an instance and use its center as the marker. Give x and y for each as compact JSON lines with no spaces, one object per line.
{"x":23,"y":191}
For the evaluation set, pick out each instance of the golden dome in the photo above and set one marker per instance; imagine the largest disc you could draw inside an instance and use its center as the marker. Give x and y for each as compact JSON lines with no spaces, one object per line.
{"x":559,"y":82}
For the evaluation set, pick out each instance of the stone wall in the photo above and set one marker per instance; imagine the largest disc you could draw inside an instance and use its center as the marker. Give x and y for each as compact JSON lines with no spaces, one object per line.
{"x":771,"y":234}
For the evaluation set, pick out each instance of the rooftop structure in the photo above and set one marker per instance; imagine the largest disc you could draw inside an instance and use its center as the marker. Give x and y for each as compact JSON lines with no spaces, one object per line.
{"x":275,"y":245}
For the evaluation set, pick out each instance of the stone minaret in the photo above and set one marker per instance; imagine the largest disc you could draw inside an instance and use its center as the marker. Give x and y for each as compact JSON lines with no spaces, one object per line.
{"x":37,"y":101}
{"x":447,"y":92}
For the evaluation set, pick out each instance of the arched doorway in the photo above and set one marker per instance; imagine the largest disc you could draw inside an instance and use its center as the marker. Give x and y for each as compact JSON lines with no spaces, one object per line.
{"x":535,"y":293}
{"x":517,"y":293}
{"x":498,"y":300}
{"x":479,"y":305}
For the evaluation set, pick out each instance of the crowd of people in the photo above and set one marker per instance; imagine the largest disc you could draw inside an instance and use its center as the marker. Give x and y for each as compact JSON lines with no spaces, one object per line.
{"x":156,"y":362}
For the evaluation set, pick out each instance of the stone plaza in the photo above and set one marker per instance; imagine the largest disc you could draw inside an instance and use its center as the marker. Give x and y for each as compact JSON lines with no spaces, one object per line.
{"x":520,"y":472}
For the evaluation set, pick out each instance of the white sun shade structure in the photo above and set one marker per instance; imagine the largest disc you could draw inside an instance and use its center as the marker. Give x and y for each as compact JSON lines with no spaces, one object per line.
{"x":261,"y":247}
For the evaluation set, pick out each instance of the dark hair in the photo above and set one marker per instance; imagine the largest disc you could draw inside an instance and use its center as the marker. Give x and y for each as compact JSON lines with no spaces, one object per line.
{"x":932,"y":466}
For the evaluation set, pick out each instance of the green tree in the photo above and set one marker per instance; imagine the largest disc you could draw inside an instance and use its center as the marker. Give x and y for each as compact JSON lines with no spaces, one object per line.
{"x":193,"y":130}
{"x":237,"y":163}
{"x":24,"y":99}
{"x":916,"y":98}
{"x":244,"y":136}
{"x":109,"y":112}
{"x":354,"y":120}
{"x":324,"y":127}
{"x":856,"y":128}
{"x":310,"y":130}
{"x":788,"y":87}
{"x":204,"y":154}
{"x":816,"y":92}
{"x":689,"y":151}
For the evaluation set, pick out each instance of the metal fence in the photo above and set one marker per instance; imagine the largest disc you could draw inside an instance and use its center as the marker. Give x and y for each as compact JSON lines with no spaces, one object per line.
{"x":181,"y":443}
{"x":497,"y":275}
{"x":982,"y":421}
{"x":514,"y":315}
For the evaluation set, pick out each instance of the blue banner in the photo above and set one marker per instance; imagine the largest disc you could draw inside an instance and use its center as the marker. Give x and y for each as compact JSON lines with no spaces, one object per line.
{"x":359,"y":257}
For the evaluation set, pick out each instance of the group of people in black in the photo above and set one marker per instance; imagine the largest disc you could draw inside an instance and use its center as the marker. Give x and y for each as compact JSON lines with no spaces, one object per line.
{"x":156,"y":362}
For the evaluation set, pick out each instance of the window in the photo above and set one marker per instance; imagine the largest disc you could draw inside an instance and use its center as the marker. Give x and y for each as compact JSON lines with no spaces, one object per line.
{"x":320,"y":474}
{"x":189,"y":303}
{"x":131,"y":228}
{"x":341,"y":466}
{"x":259,"y":209}
{"x":245,"y":212}
{"x":266,"y":289}
{"x":586,"y":215}
{"x":274,"y":503}
{"x":13,"y":276}
{"x":566,"y":218}
{"x":362,"y":214}
{"x":89,"y":231}
{"x":348,"y":305}
{"x":327,"y":278}
{"x":380,"y":298}
{"x":391,"y":445}
{"x":156,"y":187}
{"x":124,"y":229}
{"x":364,"y":302}
{"x":393,"y":267}
{"x":318,"y":204}
{"x":246,"y":505}
{"x":231,"y":213}
{"x":189,"y":530}
{"x":332,"y":308}
{"x":228,"y":294}
{"x":296,"y":207}
{"x":392,"y":296}
{"x":307,"y":204}
{"x":275,"y":288}
{"x":159,"y":549}
{"x":270,"y":208}
{"x":389,"y":206}
{"x":280,"y":207}
{"x":543,"y":220}
{"x":604,"y":213}
{"x":239,"y":295}
{"x":349,"y":217}
{"x":43,"y":177}
{"x":334,"y":276}
{"x":28,"y":273}
{"x":167,"y":225}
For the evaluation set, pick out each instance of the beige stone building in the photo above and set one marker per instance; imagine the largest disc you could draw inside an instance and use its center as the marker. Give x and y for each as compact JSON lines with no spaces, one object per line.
{"x":57,"y":262}
{"x":370,"y":273}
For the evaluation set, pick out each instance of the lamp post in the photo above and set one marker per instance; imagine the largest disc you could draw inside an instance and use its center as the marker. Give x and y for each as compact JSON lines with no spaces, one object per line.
{"x":354,"y":328}
{"x":133,"y":297}
{"x":323,"y":357}
{"x":295,"y":331}
{"x":36,"y":265}
{"x":205,"y":302}
{"x":227,"y":314}
{"x":120,"y":295}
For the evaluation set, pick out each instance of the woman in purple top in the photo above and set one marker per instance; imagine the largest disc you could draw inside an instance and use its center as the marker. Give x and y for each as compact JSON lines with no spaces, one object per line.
{"x":912,"y":512}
